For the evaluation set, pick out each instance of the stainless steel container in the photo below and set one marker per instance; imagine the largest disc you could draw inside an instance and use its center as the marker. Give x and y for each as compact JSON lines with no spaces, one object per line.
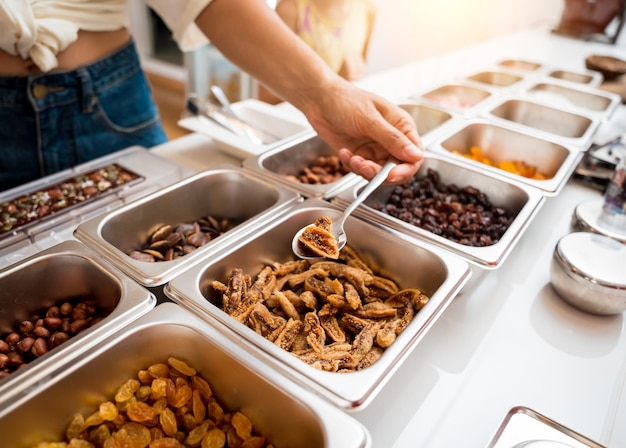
{"x":501,"y":143}
{"x":428,"y":119}
{"x":411,"y":263}
{"x":291,"y":159}
{"x":285,"y":414}
{"x":458,"y":97}
{"x":520,"y":65}
{"x":541,"y":120}
{"x":587,"y":77}
{"x":587,"y":271}
{"x":520,"y":200}
{"x":66,"y":271}
{"x":582,"y":99}
{"x":496,"y":79}
{"x":227,"y":193}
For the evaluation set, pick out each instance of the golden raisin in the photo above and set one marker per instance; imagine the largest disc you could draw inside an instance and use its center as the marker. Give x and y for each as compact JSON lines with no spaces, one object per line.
{"x":214,"y":438}
{"x":127,"y":390}
{"x":165,"y":442}
{"x":197,"y":406}
{"x":168,"y":422}
{"x":181,"y":366}
{"x":159,"y":370}
{"x":242,"y":425}
{"x":254,"y":442}
{"x":180,"y":397}
{"x":197,"y":434}
{"x":75,"y":427}
{"x":140,"y":412}
{"x":108,"y":411}
{"x":202,"y":385}
{"x":139,"y":434}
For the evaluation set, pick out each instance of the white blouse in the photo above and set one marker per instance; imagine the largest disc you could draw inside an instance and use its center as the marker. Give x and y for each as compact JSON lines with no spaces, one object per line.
{"x":40,"y":29}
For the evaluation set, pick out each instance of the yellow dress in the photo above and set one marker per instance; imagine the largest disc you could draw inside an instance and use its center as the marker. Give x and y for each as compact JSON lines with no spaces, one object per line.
{"x":334,"y":40}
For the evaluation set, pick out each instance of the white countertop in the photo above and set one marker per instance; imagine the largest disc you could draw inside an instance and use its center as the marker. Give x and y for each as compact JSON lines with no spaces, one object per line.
{"x":507,"y":340}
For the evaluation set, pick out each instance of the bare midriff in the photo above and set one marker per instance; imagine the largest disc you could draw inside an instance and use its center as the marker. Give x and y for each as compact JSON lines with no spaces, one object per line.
{"x":89,"y":47}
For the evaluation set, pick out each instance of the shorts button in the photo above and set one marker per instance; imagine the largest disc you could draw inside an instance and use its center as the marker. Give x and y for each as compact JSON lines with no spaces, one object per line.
{"x":40,"y":91}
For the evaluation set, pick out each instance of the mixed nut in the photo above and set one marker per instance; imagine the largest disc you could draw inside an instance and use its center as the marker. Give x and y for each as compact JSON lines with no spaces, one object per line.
{"x":31,"y":207}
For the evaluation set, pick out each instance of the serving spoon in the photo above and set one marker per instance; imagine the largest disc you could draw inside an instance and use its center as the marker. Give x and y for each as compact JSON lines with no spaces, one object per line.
{"x":337,"y":229}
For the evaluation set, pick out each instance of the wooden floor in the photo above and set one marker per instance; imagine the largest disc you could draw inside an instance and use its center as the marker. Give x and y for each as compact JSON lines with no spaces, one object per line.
{"x":169,"y":96}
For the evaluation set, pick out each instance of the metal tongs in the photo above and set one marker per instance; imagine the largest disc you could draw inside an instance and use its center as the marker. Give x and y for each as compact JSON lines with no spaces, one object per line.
{"x":226,"y":118}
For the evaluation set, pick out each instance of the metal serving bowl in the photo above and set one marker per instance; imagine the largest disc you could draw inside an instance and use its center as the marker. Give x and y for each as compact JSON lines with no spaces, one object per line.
{"x":64,"y":272}
{"x":542,"y":120}
{"x":231,"y":194}
{"x":428,"y":119}
{"x":411,"y":264}
{"x":457,"y":97}
{"x":279,"y":164}
{"x":502,"y":143}
{"x":497,"y":79}
{"x":587,"y":271}
{"x":285,"y":414}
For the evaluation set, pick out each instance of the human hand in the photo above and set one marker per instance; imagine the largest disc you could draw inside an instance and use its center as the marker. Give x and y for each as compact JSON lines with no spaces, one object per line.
{"x":366,"y":130}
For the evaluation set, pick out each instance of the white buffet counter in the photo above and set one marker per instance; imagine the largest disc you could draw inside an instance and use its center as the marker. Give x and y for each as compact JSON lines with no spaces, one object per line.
{"x":507,"y":340}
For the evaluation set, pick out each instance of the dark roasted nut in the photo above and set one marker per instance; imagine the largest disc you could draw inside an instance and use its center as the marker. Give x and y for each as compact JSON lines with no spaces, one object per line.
{"x":13,"y":338}
{"x":57,"y":339}
{"x":25,"y":344}
{"x":66,"y":309}
{"x":79,"y":313}
{"x":78,"y":325}
{"x":26,"y":327}
{"x":4,"y":347}
{"x":40,"y":347}
{"x":52,"y":323}
{"x":4,"y":361}
{"x":41,"y":332}
{"x":53,"y":311}
{"x":15,"y":359}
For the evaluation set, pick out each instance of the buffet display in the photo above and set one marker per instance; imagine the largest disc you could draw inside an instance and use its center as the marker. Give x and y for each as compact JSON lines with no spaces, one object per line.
{"x":241,"y":313}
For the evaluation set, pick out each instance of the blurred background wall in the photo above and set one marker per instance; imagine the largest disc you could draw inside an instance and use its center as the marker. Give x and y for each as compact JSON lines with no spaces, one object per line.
{"x":409,"y":30}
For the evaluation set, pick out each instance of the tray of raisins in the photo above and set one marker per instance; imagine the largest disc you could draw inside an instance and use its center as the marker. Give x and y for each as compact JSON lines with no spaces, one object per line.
{"x":28,"y":209}
{"x":475,"y":214}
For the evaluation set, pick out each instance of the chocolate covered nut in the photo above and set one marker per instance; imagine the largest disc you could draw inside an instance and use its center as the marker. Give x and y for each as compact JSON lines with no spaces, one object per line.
{"x":41,"y":332}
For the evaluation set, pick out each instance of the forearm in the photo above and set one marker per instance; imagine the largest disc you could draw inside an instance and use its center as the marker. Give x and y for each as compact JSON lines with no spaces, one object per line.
{"x":254,"y":38}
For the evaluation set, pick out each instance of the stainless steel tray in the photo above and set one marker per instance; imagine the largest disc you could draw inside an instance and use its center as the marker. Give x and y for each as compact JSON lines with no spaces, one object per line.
{"x":65,"y":271}
{"x":289,"y":159}
{"x":501,"y":142}
{"x":286,"y":414}
{"x":583,"y":99}
{"x":227,"y":193}
{"x":521,"y":199}
{"x":568,"y":127}
{"x":458,"y":97}
{"x":524,"y":427}
{"x":412,"y":264}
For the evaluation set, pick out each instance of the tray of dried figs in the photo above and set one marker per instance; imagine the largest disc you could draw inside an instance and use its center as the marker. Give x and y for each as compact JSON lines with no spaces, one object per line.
{"x":154,"y":238}
{"x":338,"y":327}
{"x":56,"y":305}
{"x":171,"y":381}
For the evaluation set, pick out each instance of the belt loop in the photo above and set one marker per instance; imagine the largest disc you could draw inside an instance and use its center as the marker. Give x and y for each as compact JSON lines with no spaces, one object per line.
{"x":87,"y":95}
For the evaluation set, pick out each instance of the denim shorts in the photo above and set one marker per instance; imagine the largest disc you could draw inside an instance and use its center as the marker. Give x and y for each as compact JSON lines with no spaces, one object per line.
{"x":51,"y":122}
